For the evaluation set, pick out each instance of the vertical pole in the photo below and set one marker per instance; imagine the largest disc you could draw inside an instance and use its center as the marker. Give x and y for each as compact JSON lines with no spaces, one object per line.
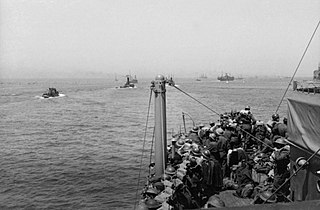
{"x":184,"y":124}
{"x":173,"y":148}
{"x":160,"y":125}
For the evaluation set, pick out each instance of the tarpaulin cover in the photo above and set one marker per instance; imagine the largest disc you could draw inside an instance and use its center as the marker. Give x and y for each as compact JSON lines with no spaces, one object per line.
{"x":304,"y":121}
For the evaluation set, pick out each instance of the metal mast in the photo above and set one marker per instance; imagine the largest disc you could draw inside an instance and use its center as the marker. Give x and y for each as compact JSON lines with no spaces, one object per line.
{"x":159,"y":89}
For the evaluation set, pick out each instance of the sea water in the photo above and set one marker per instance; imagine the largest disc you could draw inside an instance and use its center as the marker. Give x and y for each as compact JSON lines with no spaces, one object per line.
{"x":90,"y":149}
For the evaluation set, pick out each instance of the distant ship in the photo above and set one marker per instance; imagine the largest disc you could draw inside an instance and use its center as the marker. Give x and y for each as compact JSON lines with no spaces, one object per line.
{"x":131,"y":79}
{"x":51,"y":92}
{"x":226,"y":77}
{"x":203,"y":76}
{"x":310,"y":86}
{"x":128,"y":84}
{"x":185,"y":158}
{"x":239,"y":78}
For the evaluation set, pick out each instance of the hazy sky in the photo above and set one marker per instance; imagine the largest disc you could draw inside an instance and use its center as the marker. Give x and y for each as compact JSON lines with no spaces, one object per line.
{"x":101,"y":38}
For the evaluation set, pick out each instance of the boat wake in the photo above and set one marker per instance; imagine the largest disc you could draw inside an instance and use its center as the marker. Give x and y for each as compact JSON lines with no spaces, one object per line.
{"x":123,"y":88}
{"x":60,"y":95}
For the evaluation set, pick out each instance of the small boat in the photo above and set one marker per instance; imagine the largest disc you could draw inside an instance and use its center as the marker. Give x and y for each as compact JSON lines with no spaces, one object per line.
{"x":201,"y":77}
{"x":226,"y":77}
{"x":128,"y":84}
{"x":51,"y":92}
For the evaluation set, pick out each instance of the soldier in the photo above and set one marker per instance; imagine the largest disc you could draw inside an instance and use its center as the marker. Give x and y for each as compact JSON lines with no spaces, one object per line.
{"x":271,"y":126}
{"x":245,"y":121}
{"x":212,"y":179}
{"x":223,"y":149}
{"x":193,"y":135}
{"x":280,"y":129}
{"x":281,"y":159}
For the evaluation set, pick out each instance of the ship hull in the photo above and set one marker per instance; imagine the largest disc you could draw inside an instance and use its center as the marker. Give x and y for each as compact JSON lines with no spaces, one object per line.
{"x":226,"y":79}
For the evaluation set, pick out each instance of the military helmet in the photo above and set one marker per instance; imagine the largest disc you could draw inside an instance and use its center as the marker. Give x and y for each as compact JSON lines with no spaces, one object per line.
{"x":212,"y":135}
{"x":165,"y":177}
{"x":152,"y":191}
{"x":196,"y":152}
{"x":170,"y":170}
{"x":225,"y":116}
{"x":201,"y":125}
{"x":259,"y":122}
{"x":195,"y":129}
{"x":206,"y":154}
{"x":186,"y":147}
{"x":180,"y":143}
{"x":219,"y":131}
{"x":275,"y":117}
{"x":152,"y":203}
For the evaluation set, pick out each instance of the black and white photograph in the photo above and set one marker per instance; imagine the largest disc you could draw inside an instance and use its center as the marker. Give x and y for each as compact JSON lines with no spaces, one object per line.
{"x":167,"y":104}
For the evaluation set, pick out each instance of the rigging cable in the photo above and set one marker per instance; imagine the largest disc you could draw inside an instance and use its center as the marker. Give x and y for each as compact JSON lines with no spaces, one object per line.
{"x":219,"y":115}
{"x":294,"y":174}
{"x":151,"y":151}
{"x":305,"y":51}
{"x":163,"y":137}
{"x":144,"y":142}
{"x":196,"y":100}
{"x":252,"y":136}
{"x":307,"y":161}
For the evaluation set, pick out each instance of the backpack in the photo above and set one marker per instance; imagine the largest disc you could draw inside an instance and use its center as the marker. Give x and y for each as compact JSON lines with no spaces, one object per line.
{"x":182,"y":199}
{"x":212,"y":173}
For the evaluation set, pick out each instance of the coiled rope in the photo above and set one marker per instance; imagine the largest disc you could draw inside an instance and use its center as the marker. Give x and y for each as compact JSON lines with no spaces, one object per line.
{"x":144,"y":143}
{"x":305,"y":51}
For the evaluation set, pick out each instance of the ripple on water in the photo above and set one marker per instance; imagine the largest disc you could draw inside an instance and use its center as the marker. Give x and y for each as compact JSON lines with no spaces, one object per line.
{"x":83,"y":151}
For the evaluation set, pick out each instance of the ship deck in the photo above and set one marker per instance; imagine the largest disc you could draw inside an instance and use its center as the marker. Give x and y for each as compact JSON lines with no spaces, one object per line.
{"x":236,"y":203}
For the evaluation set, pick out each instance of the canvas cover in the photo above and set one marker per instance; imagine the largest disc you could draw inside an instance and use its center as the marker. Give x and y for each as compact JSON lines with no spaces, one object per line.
{"x":304,"y":121}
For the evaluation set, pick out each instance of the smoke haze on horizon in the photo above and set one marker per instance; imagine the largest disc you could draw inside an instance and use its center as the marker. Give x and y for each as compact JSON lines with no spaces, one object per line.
{"x":184,"y":38}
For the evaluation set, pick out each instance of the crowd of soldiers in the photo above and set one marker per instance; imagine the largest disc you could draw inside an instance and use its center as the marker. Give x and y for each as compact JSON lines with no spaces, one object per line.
{"x":236,"y":153}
